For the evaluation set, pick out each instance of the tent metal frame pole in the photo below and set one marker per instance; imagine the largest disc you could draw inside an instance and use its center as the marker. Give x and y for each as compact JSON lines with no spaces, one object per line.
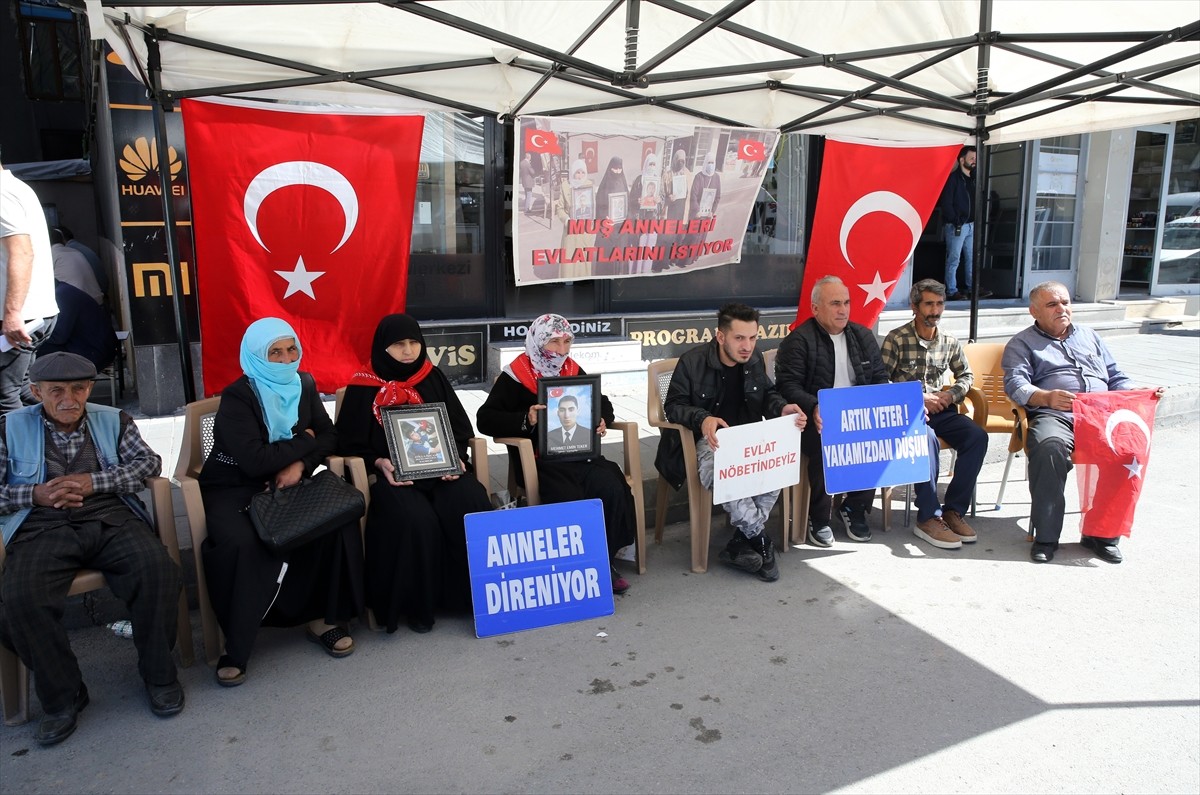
{"x":1121,"y":80}
{"x":174,"y":266}
{"x":1038,"y":55}
{"x":865,"y":92}
{"x":980,"y":110}
{"x":691,"y":36}
{"x":299,"y":67}
{"x":1168,"y":37}
{"x":579,"y":42}
{"x":491,"y":34}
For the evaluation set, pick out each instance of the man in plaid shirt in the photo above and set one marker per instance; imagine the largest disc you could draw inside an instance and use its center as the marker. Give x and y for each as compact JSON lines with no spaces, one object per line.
{"x":918,"y":351}
{"x":70,"y":472}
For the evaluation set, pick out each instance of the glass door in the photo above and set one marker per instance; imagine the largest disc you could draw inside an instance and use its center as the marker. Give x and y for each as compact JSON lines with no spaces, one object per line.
{"x":1142,"y":227}
{"x":1177,"y":265}
{"x":1056,"y":166}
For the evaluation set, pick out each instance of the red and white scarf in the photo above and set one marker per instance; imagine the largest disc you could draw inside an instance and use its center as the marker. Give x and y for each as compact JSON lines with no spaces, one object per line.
{"x":393,"y":393}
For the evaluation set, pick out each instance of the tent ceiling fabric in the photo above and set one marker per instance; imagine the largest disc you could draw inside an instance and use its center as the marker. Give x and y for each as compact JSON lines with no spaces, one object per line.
{"x":759,"y":63}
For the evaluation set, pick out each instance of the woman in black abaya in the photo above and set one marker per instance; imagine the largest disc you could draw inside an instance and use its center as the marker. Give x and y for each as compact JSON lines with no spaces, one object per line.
{"x":416,"y":549}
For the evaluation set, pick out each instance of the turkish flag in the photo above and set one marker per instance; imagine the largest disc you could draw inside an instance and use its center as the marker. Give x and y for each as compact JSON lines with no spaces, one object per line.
{"x":872,"y":203}
{"x":541,"y":141}
{"x":1112,"y":448}
{"x":751,"y":150}
{"x":299,"y":215}
{"x":591,"y":155}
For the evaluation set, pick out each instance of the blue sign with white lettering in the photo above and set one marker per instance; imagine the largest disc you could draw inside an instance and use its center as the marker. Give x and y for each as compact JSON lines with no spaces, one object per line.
{"x":538,"y":566}
{"x":874,"y":436}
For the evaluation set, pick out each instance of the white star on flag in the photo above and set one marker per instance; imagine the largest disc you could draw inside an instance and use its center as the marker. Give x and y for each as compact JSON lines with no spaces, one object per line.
{"x":1135,"y":469}
{"x":300,"y":279}
{"x":877,"y":290}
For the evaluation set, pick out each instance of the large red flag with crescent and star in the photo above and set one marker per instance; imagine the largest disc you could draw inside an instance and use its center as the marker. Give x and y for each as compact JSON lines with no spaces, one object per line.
{"x":303,"y":215}
{"x":1112,"y":448}
{"x":872,"y":203}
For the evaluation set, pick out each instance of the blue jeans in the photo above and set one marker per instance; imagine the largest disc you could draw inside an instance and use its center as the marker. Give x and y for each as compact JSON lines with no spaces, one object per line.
{"x":970,"y":441}
{"x":14,"y":368}
{"x":956,"y":246}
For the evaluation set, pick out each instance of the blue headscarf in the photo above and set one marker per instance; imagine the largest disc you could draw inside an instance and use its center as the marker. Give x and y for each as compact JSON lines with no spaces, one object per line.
{"x":276,"y":384}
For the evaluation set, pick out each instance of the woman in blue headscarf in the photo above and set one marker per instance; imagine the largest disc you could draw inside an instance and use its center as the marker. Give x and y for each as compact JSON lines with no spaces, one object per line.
{"x":271,"y":430}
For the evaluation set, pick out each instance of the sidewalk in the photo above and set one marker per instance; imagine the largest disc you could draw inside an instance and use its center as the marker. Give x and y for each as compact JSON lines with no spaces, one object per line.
{"x":883,"y":667}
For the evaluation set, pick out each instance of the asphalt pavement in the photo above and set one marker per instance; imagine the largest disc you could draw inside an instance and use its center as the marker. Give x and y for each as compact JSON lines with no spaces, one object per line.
{"x":889,"y":666}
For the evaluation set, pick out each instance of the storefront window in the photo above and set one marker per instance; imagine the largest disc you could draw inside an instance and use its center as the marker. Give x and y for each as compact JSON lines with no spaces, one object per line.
{"x":446,"y":266}
{"x":1055,"y":213}
{"x":1179,"y":257}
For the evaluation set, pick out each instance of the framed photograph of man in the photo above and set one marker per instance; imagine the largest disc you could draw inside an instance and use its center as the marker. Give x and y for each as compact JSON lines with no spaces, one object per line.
{"x":567,"y":432}
{"x":420,"y":441}
{"x":616,"y":207}
{"x":582,"y":205}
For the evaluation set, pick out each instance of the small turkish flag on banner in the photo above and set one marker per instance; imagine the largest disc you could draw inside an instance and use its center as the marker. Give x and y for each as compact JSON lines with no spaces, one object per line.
{"x":751,"y":150}
{"x":872,"y":203}
{"x":541,"y":141}
{"x":1112,"y":449}
{"x":303,"y":216}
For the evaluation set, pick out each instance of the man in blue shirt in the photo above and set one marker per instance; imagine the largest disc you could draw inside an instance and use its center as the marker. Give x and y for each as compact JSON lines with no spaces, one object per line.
{"x":1045,"y":366}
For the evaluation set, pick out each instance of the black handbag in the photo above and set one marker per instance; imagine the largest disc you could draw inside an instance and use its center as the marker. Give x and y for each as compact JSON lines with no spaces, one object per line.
{"x":288,"y":518}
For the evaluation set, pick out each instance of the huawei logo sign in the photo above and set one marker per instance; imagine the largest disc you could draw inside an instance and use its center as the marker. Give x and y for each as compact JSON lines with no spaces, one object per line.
{"x":140,"y":159}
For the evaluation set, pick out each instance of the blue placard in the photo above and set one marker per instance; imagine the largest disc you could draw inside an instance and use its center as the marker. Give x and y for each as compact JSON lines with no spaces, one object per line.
{"x":538,"y":566}
{"x":873,"y":436}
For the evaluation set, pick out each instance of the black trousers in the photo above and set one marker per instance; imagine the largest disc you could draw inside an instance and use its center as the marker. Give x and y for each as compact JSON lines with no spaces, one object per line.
{"x":820,"y":504}
{"x":38,"y":571}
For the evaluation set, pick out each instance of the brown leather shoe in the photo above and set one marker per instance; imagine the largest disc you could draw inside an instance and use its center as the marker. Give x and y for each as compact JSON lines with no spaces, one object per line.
{"x":955,"y":521}
{"x":934,"y":531}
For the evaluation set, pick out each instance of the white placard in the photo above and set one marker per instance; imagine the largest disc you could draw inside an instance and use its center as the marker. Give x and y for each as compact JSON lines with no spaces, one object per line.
{"x":424,"y":212}
{"x":756,"y":458}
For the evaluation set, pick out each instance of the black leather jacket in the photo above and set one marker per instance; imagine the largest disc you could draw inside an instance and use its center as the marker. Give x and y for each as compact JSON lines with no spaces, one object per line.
{"x":694,"y":395}
{"x":804,"y":364}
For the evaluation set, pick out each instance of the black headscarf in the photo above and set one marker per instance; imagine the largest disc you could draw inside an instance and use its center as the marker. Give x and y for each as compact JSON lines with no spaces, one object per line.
{"x":358,"y":432}
{"x":611,"y":183}
{"x":392,"y":329}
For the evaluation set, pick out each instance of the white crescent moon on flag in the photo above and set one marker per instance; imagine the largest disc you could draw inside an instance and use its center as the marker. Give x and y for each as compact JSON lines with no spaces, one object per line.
{"x":746,"y":151}
{"x":300,"y":172}
{"x":881,"y":201}
{"x":538,"y":140}
{"x":1123,"y":415}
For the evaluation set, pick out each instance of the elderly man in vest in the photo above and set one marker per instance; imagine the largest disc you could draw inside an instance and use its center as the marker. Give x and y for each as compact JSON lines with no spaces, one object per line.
{"x":69,"y":474}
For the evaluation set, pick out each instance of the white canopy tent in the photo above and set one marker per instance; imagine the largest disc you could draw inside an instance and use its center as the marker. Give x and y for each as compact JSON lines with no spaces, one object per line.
{"x":942,"y":71}
{"x":887,"y":69}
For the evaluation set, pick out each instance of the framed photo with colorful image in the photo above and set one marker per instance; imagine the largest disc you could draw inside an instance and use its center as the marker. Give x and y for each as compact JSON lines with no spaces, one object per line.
{"x":567,"y":429}
{"x":420,"y":441}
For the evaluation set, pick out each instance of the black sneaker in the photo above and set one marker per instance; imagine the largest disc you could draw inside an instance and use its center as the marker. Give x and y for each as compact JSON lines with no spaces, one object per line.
{"x":740,"y":553}
{"x":856,"y":523}
{"x":820,"y":536}
{"x":770,"y":568}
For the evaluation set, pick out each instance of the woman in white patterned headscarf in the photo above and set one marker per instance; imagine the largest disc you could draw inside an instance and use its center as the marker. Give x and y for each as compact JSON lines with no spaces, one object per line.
{"x":512,"y":409}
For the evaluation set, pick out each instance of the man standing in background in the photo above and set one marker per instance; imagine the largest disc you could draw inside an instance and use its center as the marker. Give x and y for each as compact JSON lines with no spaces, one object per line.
{"x":26,"y":283}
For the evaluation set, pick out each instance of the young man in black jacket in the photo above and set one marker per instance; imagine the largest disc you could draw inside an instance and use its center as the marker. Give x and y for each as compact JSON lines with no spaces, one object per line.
{"x":717,"y":385}
{"x":824,"y":352}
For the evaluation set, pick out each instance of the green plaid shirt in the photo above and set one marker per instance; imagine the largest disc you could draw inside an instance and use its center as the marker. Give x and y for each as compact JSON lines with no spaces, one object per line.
{"x":907,"y":357}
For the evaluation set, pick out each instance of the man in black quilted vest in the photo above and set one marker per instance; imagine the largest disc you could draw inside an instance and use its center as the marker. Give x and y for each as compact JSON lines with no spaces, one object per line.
{"x":824,"y":352}
{"x":69,"y":475}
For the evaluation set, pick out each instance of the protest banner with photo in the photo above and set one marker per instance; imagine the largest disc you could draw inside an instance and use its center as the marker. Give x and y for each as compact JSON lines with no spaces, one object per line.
{"x":756,"y":458}
{"x":874,"y":436}
{"x":538,"y":566}
{"x":603,"y":199}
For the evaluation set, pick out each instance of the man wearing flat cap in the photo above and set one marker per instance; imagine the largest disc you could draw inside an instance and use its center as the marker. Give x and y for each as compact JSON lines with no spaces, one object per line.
{"x":69,"y":475}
